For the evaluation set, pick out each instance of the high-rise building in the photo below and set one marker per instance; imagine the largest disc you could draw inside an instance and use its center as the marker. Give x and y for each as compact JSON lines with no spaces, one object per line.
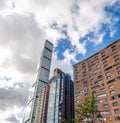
{"x":61,"y":102}
{"x":42,"y":79}
{"x":100,"y":74}
{"x":42,"y":105}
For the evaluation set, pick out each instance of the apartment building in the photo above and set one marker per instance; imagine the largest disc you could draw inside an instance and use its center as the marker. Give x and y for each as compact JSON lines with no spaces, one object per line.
{"x":42,"y":105}
{"x":100,"y":74}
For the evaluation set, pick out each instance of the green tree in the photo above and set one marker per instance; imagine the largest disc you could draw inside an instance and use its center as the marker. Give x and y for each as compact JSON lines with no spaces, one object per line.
{"x":87,"y":111}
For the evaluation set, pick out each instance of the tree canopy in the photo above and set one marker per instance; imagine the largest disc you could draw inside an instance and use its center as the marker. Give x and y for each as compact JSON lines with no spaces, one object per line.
{"x":87,"y":111}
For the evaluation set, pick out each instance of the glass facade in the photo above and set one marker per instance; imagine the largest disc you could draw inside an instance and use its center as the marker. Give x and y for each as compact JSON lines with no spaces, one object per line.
{"x":60,"y":104}
{"x":42,"y":77}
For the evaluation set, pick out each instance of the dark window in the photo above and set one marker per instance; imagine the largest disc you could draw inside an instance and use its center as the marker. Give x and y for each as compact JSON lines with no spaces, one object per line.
{"x":85,"y":82}
{"x":102,"y":90}
{"x":115,"y":103}
{"x":117,"y":78}
{"x":115,"y":97}
{"x":116,"y":56}
{"x":108,"y":77}
{"x":113,"y":46}
{"x":100,"y":76}
{"x":86,"y":94}
{"x":98,"y":101}
{"x":110,"y":81}
{"x":117,"y":59}
{"x":95,"y":87}
{"x":117,"y":118}
{"x":116,"y":111}
{"x":105,"y":105}
{"x":112,"y":92}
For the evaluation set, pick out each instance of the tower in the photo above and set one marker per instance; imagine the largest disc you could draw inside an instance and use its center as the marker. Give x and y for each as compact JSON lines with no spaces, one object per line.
{"x":42,"y":78}
{"x":60,"y":104}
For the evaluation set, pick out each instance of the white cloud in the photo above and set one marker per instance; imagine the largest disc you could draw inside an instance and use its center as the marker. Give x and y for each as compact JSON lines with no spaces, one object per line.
{"x":69,"y":56}
{"x":21,"y":42}
{"x":3,"y":4}
{"x":20,"y":33}
{"x":24,"y":25}
{"x":64,"y":65}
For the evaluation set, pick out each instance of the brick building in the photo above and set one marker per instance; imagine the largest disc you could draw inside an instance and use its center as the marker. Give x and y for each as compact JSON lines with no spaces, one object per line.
{"x":100,"y":74}
{"x":42,"y":105}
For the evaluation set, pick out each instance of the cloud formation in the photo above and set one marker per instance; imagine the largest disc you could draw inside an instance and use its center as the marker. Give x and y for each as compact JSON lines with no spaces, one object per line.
{"x":24,"y":26}
{"x":21,"y":35}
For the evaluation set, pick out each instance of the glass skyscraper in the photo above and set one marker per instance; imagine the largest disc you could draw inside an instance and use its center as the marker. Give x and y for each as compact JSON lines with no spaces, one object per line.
{"x":42,"y":79}
{"x":60,"y":104}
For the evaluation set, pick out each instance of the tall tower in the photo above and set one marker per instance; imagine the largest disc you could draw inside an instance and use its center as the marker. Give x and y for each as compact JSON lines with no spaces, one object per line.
{"x":42,"y":78}
{"x":60,"y":104}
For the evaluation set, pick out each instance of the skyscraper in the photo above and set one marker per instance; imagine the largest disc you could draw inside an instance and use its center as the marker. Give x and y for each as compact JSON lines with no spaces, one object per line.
{"x":42,"y":78}
{"x":100,"y":74}
{"x":60,"y":104}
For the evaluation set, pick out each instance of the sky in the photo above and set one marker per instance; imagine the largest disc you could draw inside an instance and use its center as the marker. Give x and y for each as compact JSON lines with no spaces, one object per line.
{"x":77,"y":28}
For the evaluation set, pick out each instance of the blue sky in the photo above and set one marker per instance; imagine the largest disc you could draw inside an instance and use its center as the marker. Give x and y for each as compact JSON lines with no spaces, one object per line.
{"x":77,"y":28}
{"x":91,"y":47}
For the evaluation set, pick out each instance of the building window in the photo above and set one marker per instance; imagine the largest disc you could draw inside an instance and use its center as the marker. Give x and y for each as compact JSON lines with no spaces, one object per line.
{"x":95,"y":87}
{"x":86,"y":94}
{"x":91,"y":80}
{"x":115,"y":97}
{"x":105,"y":64}
{"x":103,"y":54}
{"x":112,"y":92}
{"x":117,"y":78}
{"x":114,"y":46}
{"x":108,"y":77}
{"x":100,"y":76}
{"x":115,"y":103}
{"x":107,"y":73}
{"x":101,"y":95}
{"x":117,"y":111}
{"x":116,"y":56}
{"x":118,"y":68}
{"x":102,"y":90}
{"x":117,"y":118}
{"x":98,"y":66}
{"x":85,"y":86}
{"x":117,"y":59}
{"x":105,"y":105}
{"x":77,"y":101}
{"x":105,"y":112}
{"x":111,"y":81}
{"x":101,"y":119}
{"x":118,"y":72}
{"x":98,"y":101}
{"x":85,"y":82}
{"x":77,"y":96}
{"x":99,"y":81}
{"x":84,"y":73}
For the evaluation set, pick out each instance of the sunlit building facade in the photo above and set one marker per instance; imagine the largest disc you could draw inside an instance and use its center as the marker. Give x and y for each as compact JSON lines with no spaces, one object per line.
{"x":61,"y":103}
{"x":100,"y":74}
{"x":42,"y":105}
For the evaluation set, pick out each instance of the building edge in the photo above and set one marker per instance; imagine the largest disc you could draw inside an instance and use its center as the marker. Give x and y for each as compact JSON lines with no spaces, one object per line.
{"x":97,"y":52}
